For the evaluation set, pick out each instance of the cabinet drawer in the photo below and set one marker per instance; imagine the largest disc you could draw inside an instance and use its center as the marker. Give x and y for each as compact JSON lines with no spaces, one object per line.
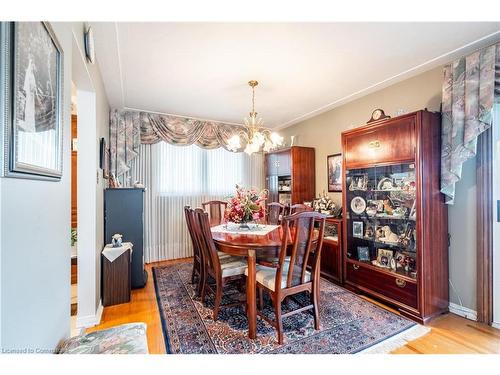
{"x":386,"y":285}
{"x":388,"y":142}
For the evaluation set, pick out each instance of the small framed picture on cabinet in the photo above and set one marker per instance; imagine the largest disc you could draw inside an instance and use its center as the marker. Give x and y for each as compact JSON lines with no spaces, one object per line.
{"x":363,"y":253}
{"x":357,"y":229}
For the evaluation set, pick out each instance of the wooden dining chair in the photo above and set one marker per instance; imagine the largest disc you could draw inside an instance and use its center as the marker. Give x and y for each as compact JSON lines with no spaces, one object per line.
{"x":290,"y":275}
{"x":221,"y":267}
{"x":215,"y":211}
{"x":296,"y":208}
{"x":198,"y":262}
{"x":275,"y":212}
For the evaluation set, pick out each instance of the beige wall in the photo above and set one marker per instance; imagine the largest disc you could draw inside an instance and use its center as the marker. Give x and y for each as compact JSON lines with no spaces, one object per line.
{"x":423,"y":91}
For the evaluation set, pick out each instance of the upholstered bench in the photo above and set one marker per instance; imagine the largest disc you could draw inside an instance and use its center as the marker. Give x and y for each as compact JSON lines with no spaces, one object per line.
{"x":123,"y":339}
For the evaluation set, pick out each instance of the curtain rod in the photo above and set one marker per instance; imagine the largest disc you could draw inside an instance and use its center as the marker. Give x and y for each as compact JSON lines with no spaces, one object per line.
{"x":180,"y":116}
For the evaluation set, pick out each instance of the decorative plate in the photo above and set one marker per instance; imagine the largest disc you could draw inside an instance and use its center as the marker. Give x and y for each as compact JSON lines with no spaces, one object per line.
{"x":386,"y":184}
{"x":358,"y":205}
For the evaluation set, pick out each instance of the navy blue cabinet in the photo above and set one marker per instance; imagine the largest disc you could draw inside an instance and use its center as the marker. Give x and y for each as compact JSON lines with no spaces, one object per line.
{"x":123,"y":213}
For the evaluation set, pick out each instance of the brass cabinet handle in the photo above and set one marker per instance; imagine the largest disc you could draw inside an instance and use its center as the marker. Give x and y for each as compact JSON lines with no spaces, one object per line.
{"x":355,"y":266}
{"x":400,"y":283}
{"x":374,"y":144}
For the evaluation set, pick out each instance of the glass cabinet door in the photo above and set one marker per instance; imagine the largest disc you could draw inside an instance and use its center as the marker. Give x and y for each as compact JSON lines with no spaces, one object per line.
{"x":381,"y":218}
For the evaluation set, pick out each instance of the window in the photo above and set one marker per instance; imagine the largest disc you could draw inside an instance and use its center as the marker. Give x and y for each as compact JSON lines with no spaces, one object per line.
{"x":191,"y":170}
{"x":176,"y":176}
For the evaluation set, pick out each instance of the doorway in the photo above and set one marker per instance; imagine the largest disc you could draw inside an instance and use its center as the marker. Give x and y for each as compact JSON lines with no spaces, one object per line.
{"x":84,"y":201}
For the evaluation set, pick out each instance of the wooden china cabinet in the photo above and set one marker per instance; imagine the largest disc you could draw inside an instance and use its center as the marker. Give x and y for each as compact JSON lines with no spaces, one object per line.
{"x":395,"y":221}
{"x":290,"y":175}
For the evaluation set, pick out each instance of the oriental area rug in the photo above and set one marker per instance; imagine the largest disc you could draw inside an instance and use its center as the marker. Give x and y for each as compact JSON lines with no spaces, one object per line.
{"x":349,"y":323}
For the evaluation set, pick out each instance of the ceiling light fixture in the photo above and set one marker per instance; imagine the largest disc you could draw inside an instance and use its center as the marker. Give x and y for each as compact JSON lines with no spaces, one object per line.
{"x":255,"y":134}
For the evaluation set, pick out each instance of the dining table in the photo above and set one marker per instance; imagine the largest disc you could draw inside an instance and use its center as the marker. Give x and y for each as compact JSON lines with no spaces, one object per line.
{"x":251,"y":245}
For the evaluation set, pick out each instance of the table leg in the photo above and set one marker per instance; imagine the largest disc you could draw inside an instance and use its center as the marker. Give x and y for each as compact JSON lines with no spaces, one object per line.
{"x":251,"y":298}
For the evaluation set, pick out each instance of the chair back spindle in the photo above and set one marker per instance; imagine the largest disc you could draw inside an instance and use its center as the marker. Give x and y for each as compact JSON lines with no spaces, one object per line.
{"x":215,"y":211}
{"x":275,"y":213}
{"x":296,"y":208}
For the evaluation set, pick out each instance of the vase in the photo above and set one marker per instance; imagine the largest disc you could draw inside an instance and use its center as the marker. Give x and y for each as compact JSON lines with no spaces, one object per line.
{"x":116,"y":242}
{"x":244,"y":226}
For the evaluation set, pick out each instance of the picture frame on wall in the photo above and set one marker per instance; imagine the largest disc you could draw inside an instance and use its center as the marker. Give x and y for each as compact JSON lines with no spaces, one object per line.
{"x":105,"y":169}
{"x":31,"y":101}
{"x":334,"y":172}
{"x":102,"y":153}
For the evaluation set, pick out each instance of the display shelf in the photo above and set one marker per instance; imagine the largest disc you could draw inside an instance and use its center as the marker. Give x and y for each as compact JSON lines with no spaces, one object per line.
{"x":382,"y":244}
{"x":366,"y":217}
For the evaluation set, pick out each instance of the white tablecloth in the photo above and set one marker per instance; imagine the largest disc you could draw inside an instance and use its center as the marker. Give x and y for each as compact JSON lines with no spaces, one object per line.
{"x":111,"y":253}
{"x":259,"y":230}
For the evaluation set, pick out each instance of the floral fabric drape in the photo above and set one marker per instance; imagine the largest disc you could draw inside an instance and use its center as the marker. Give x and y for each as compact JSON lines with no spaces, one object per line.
{"x":128,"y":129}
{"x":468,"y":96}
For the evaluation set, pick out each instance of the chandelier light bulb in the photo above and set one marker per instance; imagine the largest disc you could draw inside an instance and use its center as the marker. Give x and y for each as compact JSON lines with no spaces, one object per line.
{"x":234,"y":143}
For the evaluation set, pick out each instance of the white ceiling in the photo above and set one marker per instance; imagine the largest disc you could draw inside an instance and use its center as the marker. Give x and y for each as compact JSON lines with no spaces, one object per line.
{"x":201,"y":69}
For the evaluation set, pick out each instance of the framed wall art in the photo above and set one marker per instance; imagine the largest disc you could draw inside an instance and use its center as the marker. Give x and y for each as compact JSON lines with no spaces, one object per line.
{"x":105,"y":168}
{"x":334,"y":163}
{"x":31,"y":101}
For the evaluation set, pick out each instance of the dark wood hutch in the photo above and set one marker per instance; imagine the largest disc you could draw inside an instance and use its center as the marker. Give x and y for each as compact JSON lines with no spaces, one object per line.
{"x":290,"y":175}
{"x":394,"y":217}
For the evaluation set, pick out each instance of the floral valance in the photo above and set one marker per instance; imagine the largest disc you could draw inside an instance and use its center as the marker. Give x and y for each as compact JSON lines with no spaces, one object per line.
{"x":128,"y":129}
{"x":470,"y":87}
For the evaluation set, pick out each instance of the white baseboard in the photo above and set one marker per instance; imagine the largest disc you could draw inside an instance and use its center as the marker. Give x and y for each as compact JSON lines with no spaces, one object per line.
{"x":495,"y":325}
{"x":90,"y":320}
{"x":463,"y":311}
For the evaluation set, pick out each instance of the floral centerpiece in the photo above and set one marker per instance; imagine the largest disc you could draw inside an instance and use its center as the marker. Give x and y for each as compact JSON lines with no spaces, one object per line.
{"x":246,"y":206}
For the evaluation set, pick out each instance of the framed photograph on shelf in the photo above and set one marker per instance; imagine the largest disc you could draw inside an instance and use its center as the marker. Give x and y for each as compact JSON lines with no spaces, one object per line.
{"x":357,"y":229}
{"x":334,"y":163}
{"x":384,"y":257}
{"x":363,"y":253}
{"x":359,"y":182}
{"x":31,"y":82}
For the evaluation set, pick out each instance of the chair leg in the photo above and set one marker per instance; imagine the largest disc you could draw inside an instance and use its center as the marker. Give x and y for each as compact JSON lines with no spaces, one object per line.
{"x":193,"y":272}
{"x":200,"y":281}
{"x":203,"y":287}
{"x":315,"y":301}
{"x":279,"y":323}
{"x":217,"y":301}
{"x":261,"y":298}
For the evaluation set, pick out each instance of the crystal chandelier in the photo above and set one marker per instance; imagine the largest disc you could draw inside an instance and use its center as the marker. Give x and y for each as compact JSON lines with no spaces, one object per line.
{"x":255,"y":134}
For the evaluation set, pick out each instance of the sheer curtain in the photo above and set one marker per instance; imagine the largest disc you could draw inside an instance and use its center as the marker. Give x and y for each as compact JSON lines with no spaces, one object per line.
{"x":176,"y":176}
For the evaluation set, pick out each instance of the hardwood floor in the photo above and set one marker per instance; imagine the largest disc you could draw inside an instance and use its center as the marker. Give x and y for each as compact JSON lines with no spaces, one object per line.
{"x":141,"y":308}
{"x":450,"y":333}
